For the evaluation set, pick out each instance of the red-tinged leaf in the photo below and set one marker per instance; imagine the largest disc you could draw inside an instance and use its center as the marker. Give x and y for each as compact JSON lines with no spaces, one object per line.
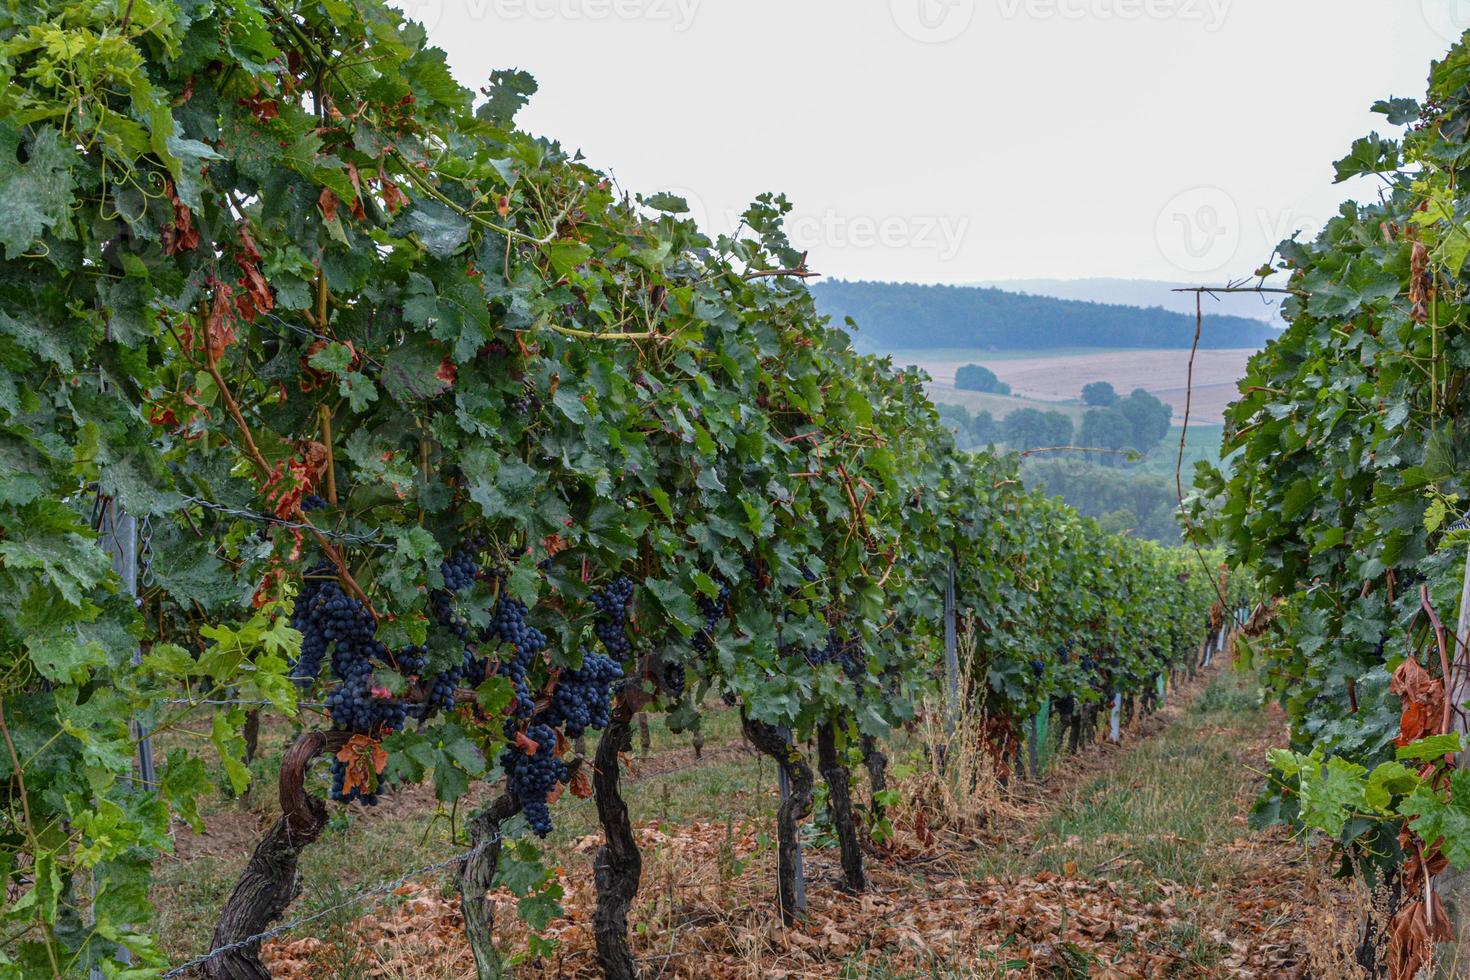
{"x":220,"y":328}
{"x":393,"y":198}
{"x":180,"y":235}
{"x":329,"y":203}
{"x":356,"y":207}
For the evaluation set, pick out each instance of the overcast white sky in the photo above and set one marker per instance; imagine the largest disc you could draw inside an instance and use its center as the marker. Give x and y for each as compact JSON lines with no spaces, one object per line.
{"x":963,"y":140}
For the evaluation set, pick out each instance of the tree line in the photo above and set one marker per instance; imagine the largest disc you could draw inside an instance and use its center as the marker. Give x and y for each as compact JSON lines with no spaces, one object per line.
{"x":1117,"y":425}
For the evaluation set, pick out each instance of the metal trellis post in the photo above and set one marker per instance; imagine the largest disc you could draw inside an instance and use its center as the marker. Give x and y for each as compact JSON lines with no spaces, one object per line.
{"x":120,"y":541}
{"x":951,"y":654}
{"x":1033,"y":746}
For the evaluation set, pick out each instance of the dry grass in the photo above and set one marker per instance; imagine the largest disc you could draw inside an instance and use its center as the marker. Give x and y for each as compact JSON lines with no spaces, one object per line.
{"x":1130,"y":861}
{"x":957,"y":788}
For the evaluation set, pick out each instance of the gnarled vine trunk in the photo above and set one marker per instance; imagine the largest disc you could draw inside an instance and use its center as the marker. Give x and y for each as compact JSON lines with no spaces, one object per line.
{"x":618,"y":867}
{"x":251,"y":733}
{"x":477,"y":877}
{"x":271,"y":881}
{"x":795,"y":808}
{"x":877,"y":765}
{"x":839,"y":807}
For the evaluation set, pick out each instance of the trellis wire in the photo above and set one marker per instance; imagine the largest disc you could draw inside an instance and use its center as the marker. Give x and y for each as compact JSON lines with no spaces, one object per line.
{"x":251,"y":515}
{"x":235,"y":702}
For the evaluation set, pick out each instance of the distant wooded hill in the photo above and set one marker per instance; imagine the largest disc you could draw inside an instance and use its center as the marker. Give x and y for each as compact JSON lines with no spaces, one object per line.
{"x":1148,"y":292}
{"x":906,"y":316}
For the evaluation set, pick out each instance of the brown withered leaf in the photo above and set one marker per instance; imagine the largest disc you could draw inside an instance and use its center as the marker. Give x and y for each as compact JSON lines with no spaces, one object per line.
{"x":220,"y":328}
{"x":180,"y":235}
{"x":1423,"y":702}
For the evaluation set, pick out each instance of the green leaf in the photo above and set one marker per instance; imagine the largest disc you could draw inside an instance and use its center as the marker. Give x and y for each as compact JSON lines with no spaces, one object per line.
{"x":1444,"y":821}
{"x":1432,"y":747}
{"x":439,"y":229}
{"x":413,"y":371}
{"x":566,"y":256}
{"x":334,"y":358}
{"x":35,"y":194}
{"x":509,"y":91}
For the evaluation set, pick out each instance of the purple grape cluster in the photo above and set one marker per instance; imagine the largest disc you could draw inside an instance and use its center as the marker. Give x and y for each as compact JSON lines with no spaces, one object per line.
{"x":583,"y":697}
{"x":331,"y":618}
{"x":474,"y":668}
{"x":712,"y":610}
{"x":412,"y":661}
{"x":508,"y":625}
{"x":303,"y":619}
{"x":460,"y":571}
{"x":675,"y":678}
{"x":439,"y":693}
{"x":532,"y":777}
{"x":611,"y":624}
{"x":845,"y":652}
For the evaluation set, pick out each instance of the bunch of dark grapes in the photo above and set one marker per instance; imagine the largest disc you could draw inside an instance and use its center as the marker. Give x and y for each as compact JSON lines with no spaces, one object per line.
{"x":339,"y":780}
{"x":352,"y":704}
{"x":508,"y":625}
{"x":442,"y":608}
{"x":532,"y":777}
{"x":711,"y":610}
{"x":675,"y":678}
{"x":611,"y":625}
{"x":846,"y":653}
{"x":346,"y":624}
{"x":313,"y":502}
{"x":460,"y":571}
{"x":583,"y":697}
{"x":525,"y":405}
{"x":412,"y":661}
{"x":473,"y":668}
{"x":306,"y":617}
{"x":439,"y":695}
